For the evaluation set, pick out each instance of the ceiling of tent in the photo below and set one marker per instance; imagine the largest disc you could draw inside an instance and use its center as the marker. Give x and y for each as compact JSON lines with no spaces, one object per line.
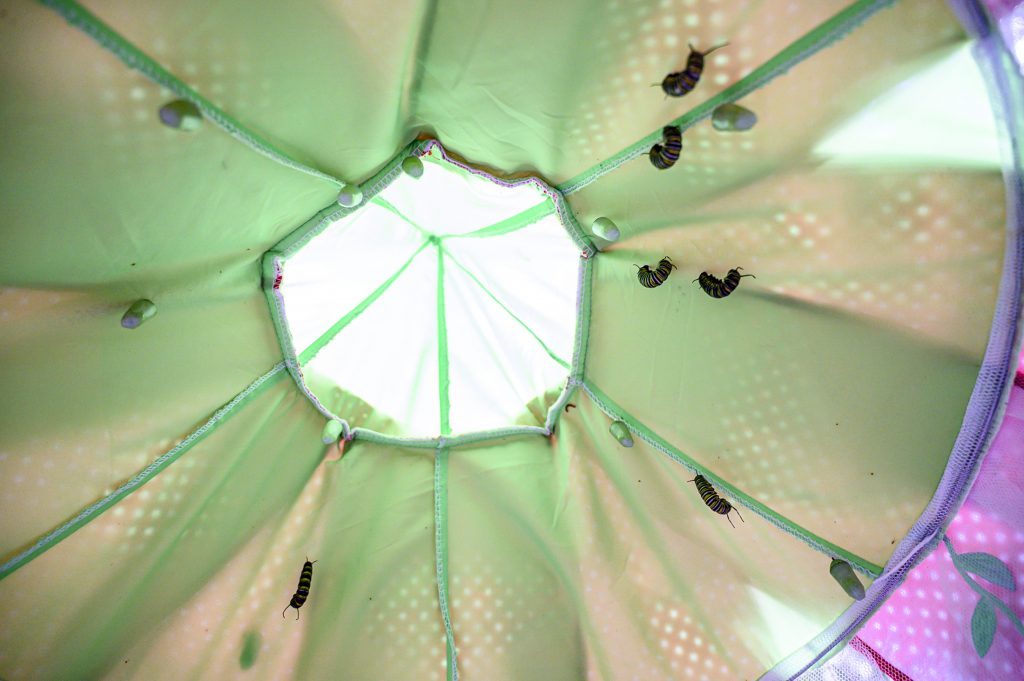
{"x":162,"y":486}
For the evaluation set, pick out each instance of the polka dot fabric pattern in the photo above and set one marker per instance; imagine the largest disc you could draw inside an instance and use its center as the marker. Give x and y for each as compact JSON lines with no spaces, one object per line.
{"x":162,"y":487}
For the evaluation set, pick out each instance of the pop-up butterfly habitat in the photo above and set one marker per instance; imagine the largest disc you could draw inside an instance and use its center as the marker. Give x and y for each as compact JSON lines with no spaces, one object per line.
{"x":631,"y":339}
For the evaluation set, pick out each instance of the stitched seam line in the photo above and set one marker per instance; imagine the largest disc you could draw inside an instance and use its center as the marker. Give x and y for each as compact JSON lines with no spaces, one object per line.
{"x":135,"y":59}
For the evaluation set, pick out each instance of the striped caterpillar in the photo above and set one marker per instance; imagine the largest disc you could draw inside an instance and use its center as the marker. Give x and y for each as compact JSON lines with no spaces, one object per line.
{"x":713,"y":501}
{"x":682,"y":82}
{"x":653,"y":278}
{"x":720,"y":288}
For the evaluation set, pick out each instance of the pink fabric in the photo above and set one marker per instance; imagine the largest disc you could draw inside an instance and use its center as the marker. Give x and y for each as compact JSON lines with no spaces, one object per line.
{"x":1000,"y":8}
{"x":1009,"y":17}
{"x":924,"y":629}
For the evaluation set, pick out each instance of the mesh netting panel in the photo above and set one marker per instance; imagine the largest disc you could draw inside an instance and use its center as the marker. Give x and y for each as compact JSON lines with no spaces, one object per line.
{"x":925,"y":631}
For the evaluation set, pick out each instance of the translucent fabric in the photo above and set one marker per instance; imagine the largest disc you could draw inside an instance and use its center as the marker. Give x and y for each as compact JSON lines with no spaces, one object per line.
{"x":162,"y":487}
{"x":416,"y":301}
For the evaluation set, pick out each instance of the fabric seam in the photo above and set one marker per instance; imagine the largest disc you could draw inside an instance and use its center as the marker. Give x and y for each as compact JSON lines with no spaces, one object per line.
{"x":818,"y":38}
{"x":93,"y":511}
{"x":645,"y":433}
{"x":132,"y":57}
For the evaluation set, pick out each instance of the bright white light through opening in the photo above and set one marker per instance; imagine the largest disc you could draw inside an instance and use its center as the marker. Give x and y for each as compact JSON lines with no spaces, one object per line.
{"x":917,"y":123}
{"x":362,"y":301}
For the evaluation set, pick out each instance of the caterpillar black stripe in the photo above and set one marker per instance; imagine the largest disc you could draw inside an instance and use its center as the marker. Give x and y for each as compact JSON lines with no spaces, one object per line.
{"x":654,"y":278}
{"x":720,"y":288}
{"x":302,"y":591}
{"x":665,"y":155}
{"x":710,"y":498}
{"x":682,"y":82}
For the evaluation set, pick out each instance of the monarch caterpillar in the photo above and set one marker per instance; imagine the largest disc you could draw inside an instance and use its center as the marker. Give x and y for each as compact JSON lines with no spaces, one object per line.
{"x":720,"y":288}
{"x":302,"y":591}
{"x":682,"y":82}
{"x":713,"y":501}
{"x":665,"y":156}
{"x":654,"y":278}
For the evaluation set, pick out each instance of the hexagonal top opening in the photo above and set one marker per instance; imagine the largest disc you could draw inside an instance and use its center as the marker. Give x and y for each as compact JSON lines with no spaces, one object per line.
{"x":442,"y":305}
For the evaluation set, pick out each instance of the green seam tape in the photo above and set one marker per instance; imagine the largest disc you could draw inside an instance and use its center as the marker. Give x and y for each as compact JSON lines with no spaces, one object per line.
{"x":441,"y":555}
{"x":441,"y":476}
{"x":448,"y":442}
{"x":556,"y":409}
{"x":815,"y":40}
{"x":583,"y":292}
{"x":92,"y":512}
{"x":275,"y":259}
{"x":391,"y":208}
{"x":134,"y":58}
{"x":309,"y":229}
{"x":775,"y":518}
{"x":549,"y":351}
{"x":328,"y":335}
{"x":443,"y":382}
{"x":148,"y":580}
{"x":516,"y":222}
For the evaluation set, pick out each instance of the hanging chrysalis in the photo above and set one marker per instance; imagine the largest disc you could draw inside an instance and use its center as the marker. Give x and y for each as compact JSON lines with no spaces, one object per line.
{"x":621,"y":433}
{"x":181,"y":114}
{"x":350,"y":195}
{"x":412,"y":166}
{"x":606,"y":229}
{"x":720,"y":288}
{"x":847,"y":578}
{"x":140,"y":311}
{"x":331,"y":432}
{"x":733,"y":118}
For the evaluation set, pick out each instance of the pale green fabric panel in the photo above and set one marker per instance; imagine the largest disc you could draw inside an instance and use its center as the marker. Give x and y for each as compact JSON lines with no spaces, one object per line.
{"x":672,"y":590}
{"x":916,"y":250}
{"x":602,"y":562}
{"x":856,"y":345}
{"x":849,"y":357}
{"x":372,"y":611}
{"x":108,"y":196}
{"x":582,"y":90}
{"x":367,"y":519}
{"x":830,"y":388}
{"x":325,"y":80}
{"x":516,"y":595}
{"x":909,"y":125}
{"x":77,"y":609}
{"x":794,"y":111}
{"x":788,"y":401}
{"x":109,"y":206}
{"x":87,"y":403}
